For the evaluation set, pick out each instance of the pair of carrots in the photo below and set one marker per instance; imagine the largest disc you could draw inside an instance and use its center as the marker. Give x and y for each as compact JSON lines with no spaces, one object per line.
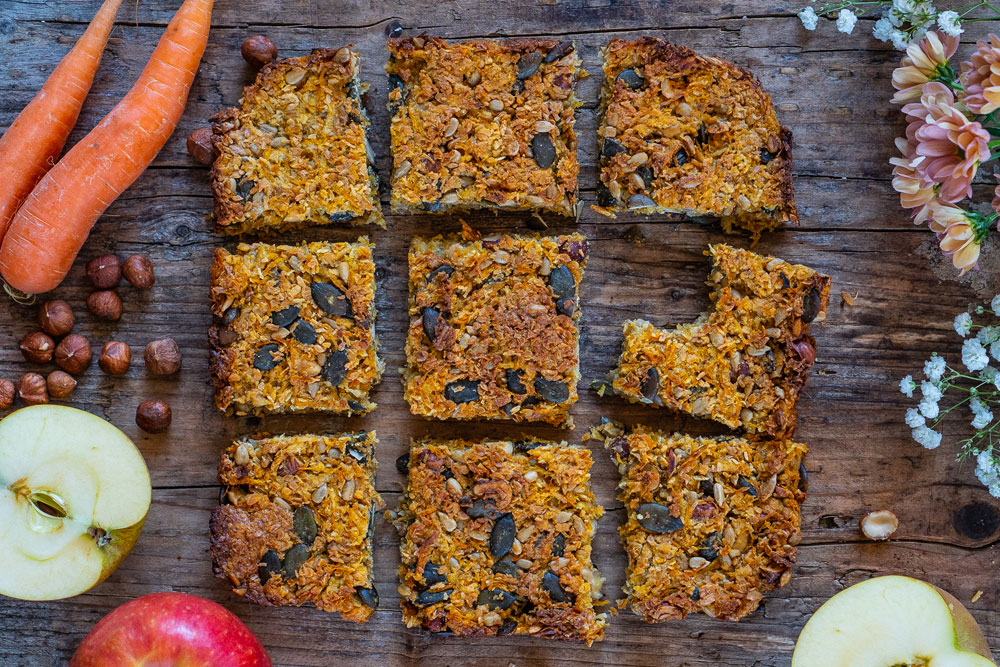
{"x":47,"y":208}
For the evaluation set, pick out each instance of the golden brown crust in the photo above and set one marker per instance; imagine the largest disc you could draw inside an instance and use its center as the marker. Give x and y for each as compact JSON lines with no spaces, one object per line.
{"x":503,"y":312}
{"x":496,"y":540}
{"x":687,"y":133}
{"x":711,"y":523}
{"x":294,"y":152}
{"x":299,"y":524}
{"x":483,"y":124}
{"x":275,"y":347}
{"x":743,"y":364}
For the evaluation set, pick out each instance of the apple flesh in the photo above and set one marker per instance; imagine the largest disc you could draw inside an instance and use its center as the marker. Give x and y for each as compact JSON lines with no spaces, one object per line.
{"x":74,"y":492}
{"x":170,"y":629}
{"x":888,"y":622}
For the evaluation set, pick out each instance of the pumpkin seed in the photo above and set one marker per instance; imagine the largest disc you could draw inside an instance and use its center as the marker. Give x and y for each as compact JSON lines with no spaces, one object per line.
{"x":432,"y":576}
{"x":631,"y":79}
{"x":702,"y":134}
{"x":481,"y":508}
{"x":604,"y":196}
{"x":462,"y":391}
{"x":444,"y":268}
{"x":562,"y":282}
{"x":304,"y":333}
{"x":285,"y":316}
{"x":558,"y":545}
{"x":543,"y":150}
{"x":515,"y":383}
{"x":342,"y":216}
{"x":264,"y":358}
{"x":640,"y":201}
{"x":656,"y":518}
{"x":331,"y":300}
{"x":430,"y":317}
{"x":506,"y":567}
{"x":304,"y":524}
{"x":507,"y":628}
{"x":553,"y":391}
{"x":495,"y":598}
{"x":766,"y":156}
{"x":270,"y":564}
{"x":428,"y":598}
{"x":394,"y":28}
{"x":803,"y":478}
{"x":611,"y":148}
{"x":744,"y":483}
{"x":502,"y":535}
{"x":550,"y":582}
{"x":650,"y":386}
{"x":294,"y":558}
{"x":368,"y":595}
{"x":528,"y":65}
{"x":244,"y":187}
{"x":810,"y":306}
{"x":645,"y":172}
{"x":680,"y":157}
{"x":403,"y":464}
{"x":335,"y":368}
{"x":558,"y":51}
{"x":710,"y":547}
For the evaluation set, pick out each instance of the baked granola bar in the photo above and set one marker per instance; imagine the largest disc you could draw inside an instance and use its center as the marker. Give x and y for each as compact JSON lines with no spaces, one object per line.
{"x":496,"y":540}
{"x":295,"y":328}
{"x":294,"y":152}
{"x":298,"y":521}
{"x":687,"y":133}
{"x":711,"y":523}
{"x":746,"y":361}
{"x":483,"y":124}
{"x":493,"y":327}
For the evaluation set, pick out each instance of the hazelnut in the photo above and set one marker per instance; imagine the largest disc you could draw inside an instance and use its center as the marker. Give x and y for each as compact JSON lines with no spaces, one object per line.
{"x":258,"y":50}
{"x":163,"y":357}
{"x":73,"y":353}
{"x":200,"y":147}
{"x":6,"y":394}
{"x":56,"y":318}
{"x":37,"y":347}
{"x":879,"y":525}
{"x":31,"y":389}
{"x":138,"y":270}
{"x":60,"y":383}
{"x":105,"y":271}
{"x":115,"y":358}
{"x":105,"y":304}
{"x":153,"y":416}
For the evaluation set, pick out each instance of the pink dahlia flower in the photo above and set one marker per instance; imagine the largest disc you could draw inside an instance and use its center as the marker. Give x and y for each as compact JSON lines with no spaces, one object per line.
{"x":914,"y":192}
{"x":924,"y":61}
{"x":954,"y":146}
{"x":981,"y":77}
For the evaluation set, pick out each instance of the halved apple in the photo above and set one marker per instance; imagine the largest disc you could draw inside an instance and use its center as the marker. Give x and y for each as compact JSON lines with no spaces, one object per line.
{"x":74,"y":492}
{"x":888,"y":622}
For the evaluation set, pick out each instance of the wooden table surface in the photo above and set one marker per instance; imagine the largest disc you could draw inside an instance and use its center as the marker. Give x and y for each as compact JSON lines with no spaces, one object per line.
{"x":832,"y":90}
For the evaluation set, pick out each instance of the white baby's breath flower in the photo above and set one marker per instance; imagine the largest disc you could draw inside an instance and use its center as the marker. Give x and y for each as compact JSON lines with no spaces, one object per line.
{"x":899,"y":40}
{"x":905,"y":6}
{"x":995,"y":349}
{"x":949,"y":23}
{"x":988,"y":469}
{"x":963,"y":324}
{"x":934,"y":368}
{"x":977,"y":406}
{"x":846,"y":20}
{"x":883,"y":29}
{"x":927,"y":437}
{"x":995,"y":305}
{"x":974,"y":355}
{"x":930,"y":391}
{"x":808,"y":18}
{"x":907,"y":385}
{"x":982,"y":420}
{"x":929,"y":409}
{"x":914,"y":418}
{"x":988,"y":334}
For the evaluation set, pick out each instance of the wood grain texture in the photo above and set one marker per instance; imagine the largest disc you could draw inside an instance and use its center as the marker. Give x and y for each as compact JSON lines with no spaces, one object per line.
{"x":832,"y":91}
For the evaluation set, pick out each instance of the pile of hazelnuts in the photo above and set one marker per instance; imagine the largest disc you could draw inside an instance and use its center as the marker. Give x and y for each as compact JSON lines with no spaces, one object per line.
{"x":72,"y":353}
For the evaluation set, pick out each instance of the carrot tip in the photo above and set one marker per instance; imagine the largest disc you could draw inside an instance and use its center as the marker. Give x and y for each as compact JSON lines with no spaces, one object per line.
{"x":19,"y":297}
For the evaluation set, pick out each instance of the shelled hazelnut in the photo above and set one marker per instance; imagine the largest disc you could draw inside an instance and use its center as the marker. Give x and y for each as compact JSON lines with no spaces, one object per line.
{"x":105,"y":304}
{"x":73,"y":354}
{"x":163,"y":357}
{"x":56,"y":318}
{"x":60,"y":384}
{"x":115,"y":358}
{"x":32,"y":390}
{"x":879,"y":525}
{"x":138,"y":270}
{"x":199,"y":145}
{"x":258,"y":50}
{"x":105,"y":271}
{"x":37,"y":347}
{"x":153,"y":416}
{"x":6,"y":394}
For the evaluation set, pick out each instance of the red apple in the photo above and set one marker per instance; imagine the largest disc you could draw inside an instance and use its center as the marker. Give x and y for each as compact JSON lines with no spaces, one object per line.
{"x":170,"y":629}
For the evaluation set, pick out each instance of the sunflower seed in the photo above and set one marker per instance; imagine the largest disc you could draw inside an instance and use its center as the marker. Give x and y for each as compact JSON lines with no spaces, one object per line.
{"x":304,"y":525}
{"x":294,"y":76}
{"x":452,"y":127}
{"x":496,"y":105}
{"x":502,"y":535}
{"x":347,"y":493}
{"x":294,"y":558}
{"x":319,"y":495}
{"x":640,"y":201}
{"x":331,"y":300}
{"x":656,"y":518}
{"x":697,"y":563}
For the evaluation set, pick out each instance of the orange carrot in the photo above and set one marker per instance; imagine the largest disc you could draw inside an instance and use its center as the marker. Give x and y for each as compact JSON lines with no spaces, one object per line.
{"x":32,"y":143}
{"x":54,"y":221}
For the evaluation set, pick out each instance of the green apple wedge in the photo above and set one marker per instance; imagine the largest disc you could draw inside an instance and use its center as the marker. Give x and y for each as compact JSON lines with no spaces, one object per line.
{"x":892,"y":621}
{"x":74,"y":492}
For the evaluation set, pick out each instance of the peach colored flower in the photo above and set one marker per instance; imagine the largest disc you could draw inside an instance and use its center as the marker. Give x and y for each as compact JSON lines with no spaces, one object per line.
{"x":954,"y":146}
{"x":981,"y":77}
{"x":932,"y":95}
{"x":959,"y":241}
{"x":942,"y":216}
{"x":914,"y":192}
{"x":996,"y":196}
{"x":924,"y":61}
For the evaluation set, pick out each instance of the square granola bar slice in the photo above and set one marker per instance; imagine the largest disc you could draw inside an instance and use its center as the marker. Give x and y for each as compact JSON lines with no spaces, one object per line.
{"x":295,"y":151}
{"x":493,"y":327}
{"x":483,"y":124}
{"x":298,"y":521}
{"x":711,"y":523}
{"x":746,"y":361}
{"x":295,"y":329}
{"x":687,"y":133}
{"x":496,"y":540}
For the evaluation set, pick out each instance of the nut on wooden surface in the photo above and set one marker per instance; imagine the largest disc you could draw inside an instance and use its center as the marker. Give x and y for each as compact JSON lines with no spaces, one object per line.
{"x":7,"y":392}
{"x":37,"y":347}
{"x":153,"y":416}
{"x":60,"y":384}
{"x":56,"y":317}
{"x":258,"y":50}
{"x":32,"y":390}
{"x":162,"y":357}
{"x":138,"y":270}
{"x":105,"y":304}
{"x":879,"y":525}
{"x":73,"y":354}
{"x":105,"y":271}
{"x":115,"y":358}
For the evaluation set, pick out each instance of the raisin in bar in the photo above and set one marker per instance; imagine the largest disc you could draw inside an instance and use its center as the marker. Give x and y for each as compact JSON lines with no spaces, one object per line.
{"x":687,"y":133}
{"x":483,"y":124}
{"x":710,"y":523}
{"x":295,"y":328}
{"x":496,"y":540}
{"x":294,"y":152}
{"x":743,"y":364}
{"x":493,"y":327}
{"x":298,"y":521}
